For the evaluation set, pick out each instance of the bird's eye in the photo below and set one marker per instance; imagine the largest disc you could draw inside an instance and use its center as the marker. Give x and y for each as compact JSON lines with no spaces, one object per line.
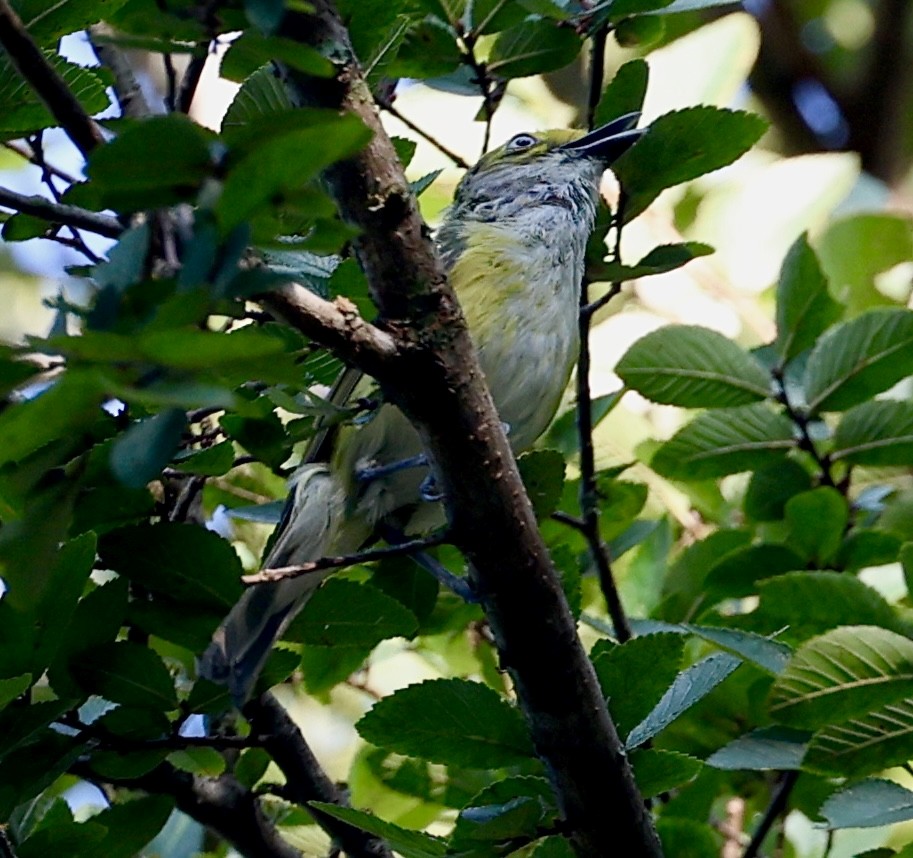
{"x":521,"y":141}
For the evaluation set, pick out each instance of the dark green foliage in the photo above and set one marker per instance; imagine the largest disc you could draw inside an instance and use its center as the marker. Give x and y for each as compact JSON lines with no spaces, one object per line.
{"x":747,"y":543}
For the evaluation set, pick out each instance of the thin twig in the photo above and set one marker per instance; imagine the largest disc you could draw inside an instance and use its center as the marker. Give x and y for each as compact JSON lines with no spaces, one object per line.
{"x":265,"y":576}
{"x":48,"y":85}
{"x":30,"y":156}
{"x":597,"y":73}
{"x":60,"y":213}
{"x":774,"y":809}
{"x":589,"y":495}
{"x":430,"y":138}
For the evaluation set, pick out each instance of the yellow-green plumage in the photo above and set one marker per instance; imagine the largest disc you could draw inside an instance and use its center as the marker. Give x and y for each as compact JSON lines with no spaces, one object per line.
{"x":513,"y":244}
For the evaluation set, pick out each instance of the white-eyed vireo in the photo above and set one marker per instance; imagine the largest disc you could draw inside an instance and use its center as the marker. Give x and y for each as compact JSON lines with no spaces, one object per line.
{"x":513,"y":244}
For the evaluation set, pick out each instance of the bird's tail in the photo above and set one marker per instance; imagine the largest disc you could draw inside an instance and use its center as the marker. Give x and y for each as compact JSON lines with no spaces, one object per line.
{"x":243,"y":641}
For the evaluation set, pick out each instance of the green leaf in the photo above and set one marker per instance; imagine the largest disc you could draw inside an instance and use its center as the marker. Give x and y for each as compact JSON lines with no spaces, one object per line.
{"x":132,"y":824}
{"x":690,"y":686}
{"x":132,"y":722}
{"x":251,"y":766}
{"x":126,"y":673}
{"x":817,"y":521}
{"x":805,"y":604}
{"x":657,"y":771}
{"x":191,"y":350}
{"x":877,"y":433}
{"x":154,"y":162}
{"x":666,"y":257}
{"x":250,"y":56}
{"x":842,"y":674}
{"x":47,"y":22}
{"x":72,"y":839}
{"x":737,"y":574}
{"x":13,"y":687}
{"x":139,"y":455}
{"x":766,"y":749}
{"x":855,"y":250}
{"x":534,"y":47}
{"x":343,"y":613}
{"x":640,"y":31}
{"x":265,"y":15}
{"x":869,"y":804}
{"x":878,"y":740}
{"x":687,"y":838}
{"x":66,"y":408}
{"x":283,"y":164}
{"x":326,"y":666}
{"x":209,"y":462}
{"x":681,"y":146}
{"x":543,"y":476}
{"x":449,"y":721}
{"x":692,"y":367}
{"x":771,"y":656}
{"x":428,"y":49}
{"x":514,"y":807}
{"x":771,"y":486}
{"x":621,"y":9}
{"x":207,"y":762}
{"x":262,"y":94}
{"x":29,"y":770}
{"x":855,"y":361}
{"x":409,"y":844}
{"x":717,"y":443}
{"x":189,"y":564}
{"x":805,"y":308}
{"x":863,"y":548}
{"x":635,"y":675}
{"x":97,"y":620}
{"x":22,"y":112}
{"x":625,"y":93}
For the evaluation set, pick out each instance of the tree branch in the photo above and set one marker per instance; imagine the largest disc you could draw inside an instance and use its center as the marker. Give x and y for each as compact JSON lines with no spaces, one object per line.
{"x":221,"y":804}
{"x":280,"y":573}
{"x":50,"y":87}
{"x":60,"y":213}
{"x":305,"y":780}
{"x":438,"y":385}
{"x":336,"y":325}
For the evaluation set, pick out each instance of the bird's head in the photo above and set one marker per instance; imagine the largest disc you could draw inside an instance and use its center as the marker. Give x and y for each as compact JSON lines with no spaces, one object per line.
{"x":545,"y":168}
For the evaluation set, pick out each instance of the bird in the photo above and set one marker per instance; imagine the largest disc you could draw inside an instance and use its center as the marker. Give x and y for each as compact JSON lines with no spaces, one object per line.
{"x":513,"y":244}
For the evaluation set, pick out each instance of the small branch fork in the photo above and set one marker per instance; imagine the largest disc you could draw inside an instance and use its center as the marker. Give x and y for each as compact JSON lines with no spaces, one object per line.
{"x":806,"y":442}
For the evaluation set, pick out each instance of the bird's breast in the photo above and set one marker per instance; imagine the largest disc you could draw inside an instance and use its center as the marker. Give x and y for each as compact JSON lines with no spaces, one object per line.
{"x":519,"y":289}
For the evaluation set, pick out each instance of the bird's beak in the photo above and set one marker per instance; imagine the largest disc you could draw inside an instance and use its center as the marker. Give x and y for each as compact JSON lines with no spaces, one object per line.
{"x":610,"y":141}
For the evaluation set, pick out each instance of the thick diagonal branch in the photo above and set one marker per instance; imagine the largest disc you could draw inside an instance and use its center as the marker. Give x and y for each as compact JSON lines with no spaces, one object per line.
{"x":305,"y":780}
{"x":438,"y":384}
{"x":33,"y":65}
